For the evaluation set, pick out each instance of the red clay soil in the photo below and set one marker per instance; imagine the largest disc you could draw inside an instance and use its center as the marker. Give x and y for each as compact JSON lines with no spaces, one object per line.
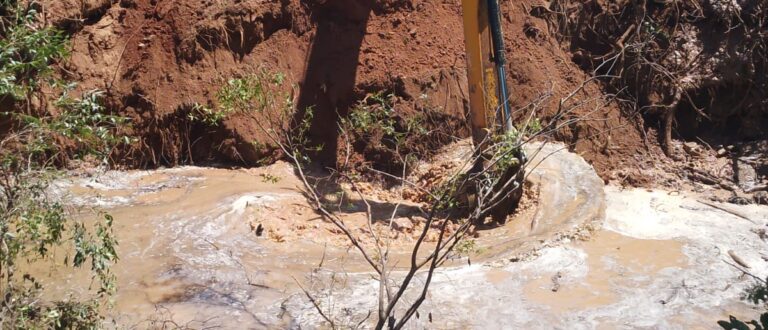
{"x":158,"y":58}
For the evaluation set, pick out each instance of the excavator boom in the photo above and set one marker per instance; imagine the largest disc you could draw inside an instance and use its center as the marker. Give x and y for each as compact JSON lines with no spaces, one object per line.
{"x":488,"y":96}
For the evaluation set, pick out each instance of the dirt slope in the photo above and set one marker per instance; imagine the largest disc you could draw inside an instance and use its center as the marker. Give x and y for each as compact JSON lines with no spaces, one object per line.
{"x":157,"y":58}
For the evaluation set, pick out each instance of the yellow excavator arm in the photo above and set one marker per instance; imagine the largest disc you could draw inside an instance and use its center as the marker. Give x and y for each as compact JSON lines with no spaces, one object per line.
{"x":489,"y":109}
{"x":488,"y":99}
{"x":475,"y":33}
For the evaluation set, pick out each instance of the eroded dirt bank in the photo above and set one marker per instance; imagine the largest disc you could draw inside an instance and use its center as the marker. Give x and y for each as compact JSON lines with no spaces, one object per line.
{"x":157,"y":59}
{"x":693,"y":73}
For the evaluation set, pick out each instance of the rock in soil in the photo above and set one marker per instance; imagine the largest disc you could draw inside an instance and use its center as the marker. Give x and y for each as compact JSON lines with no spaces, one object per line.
{"x":761,"y":197}
{"x":746,"y":175}
{"x":402,"y":225}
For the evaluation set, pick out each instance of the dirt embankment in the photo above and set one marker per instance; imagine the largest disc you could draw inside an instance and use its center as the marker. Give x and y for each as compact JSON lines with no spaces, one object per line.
{"x":694,"y":72}
{"x":700,"y":64}
{"x":156,"y":59}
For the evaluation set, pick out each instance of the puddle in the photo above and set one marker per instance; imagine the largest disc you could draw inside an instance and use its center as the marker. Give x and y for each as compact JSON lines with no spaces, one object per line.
{"x":626,"y":254}
{"x":187,"y":242}
{"x":657,"y":264}
{"x":496,"y":276}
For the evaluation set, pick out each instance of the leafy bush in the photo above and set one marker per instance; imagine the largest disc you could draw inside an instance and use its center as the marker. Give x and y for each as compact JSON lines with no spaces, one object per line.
{"x":262,"y":93}
{"x":82,"y":128}
{"x":253,"y":92}
{"x":26,"y":49}
{"x":376,"y":114}
{"x":34,"y":224}
{"x":206,"y":115}
{"x":391,"y":139}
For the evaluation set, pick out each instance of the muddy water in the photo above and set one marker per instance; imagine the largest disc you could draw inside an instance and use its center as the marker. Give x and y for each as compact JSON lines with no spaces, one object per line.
{"x":658,"y":263}
{"x":187,"y":241}
{"x":610,"y":257}
{"x":190,"y":252}
{"x":189,"y":247}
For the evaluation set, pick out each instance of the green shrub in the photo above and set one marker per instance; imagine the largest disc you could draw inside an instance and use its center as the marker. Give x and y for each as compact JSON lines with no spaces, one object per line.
{"x":206,"y":115}
{"x":27,"y":50}
{"x":375,"y":129}
{"x":262,"y":93}
{"x":34,"y":224}
{"x":376,"y":113}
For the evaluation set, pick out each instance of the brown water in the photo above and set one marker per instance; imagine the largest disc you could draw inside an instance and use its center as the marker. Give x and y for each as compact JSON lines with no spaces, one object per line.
{"x":189,"y":249}
{"x":187,"y":242}
{"x":611,"y":257}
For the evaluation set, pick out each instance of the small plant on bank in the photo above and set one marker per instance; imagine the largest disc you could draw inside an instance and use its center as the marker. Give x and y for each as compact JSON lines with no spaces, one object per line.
{"x":269,"y":178}
{"x":27,"y":49}
{"x":374,"y":112}
{"x":261,"y":95}
{"x":250,"y":93}
{"x":374,"y":127}
{"x":206,"y":115}
{"x":467,"y":247}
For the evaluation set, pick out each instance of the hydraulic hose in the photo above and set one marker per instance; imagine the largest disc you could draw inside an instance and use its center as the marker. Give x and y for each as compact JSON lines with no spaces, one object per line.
{"x":497,"y":38}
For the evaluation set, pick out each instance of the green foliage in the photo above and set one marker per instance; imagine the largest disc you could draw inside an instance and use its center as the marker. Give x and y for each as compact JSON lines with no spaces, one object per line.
{"x":506,"y":152}
{"x":32,"y":227}
{"x":261,"y":93}
{"x":757,"y":294}
{"x":74,"y":315}
{"x":532,"y":127}
{"x":242,"y":94}
{"x":35,"y":228}
{"x":99,"y":247}
{"x":297,"y":136}
{"x":59,"y":315}
{"x":269,"y":178}
{"x":206,"y":115}
{"x":26,"y":50}
{"x":375,"y":114}
{"x":467,"y":247}
{"x":253,"y":92}
{"x":446,"y":195}
{"x":82,"y":121}
{"x":238,"y":94}
{"x":377,"y":130}
{"x":86,"y":122}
